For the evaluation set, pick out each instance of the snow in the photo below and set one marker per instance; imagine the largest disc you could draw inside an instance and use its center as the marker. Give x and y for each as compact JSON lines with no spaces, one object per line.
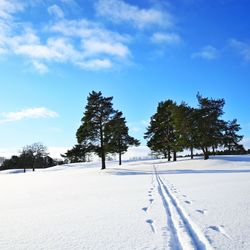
{"x":189,"y":204}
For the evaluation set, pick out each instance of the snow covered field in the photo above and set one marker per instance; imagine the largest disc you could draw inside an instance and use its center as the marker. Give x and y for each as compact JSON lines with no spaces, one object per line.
{"x":189,"y":204}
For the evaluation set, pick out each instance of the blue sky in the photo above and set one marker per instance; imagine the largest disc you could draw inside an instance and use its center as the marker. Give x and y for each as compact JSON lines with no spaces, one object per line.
{"x":53,"y":53}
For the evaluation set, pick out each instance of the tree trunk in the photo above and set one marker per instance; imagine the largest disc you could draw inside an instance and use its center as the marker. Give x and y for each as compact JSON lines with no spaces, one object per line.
{"x":206,"y":154}
{"x":213,"y":150}
{"x":120,"y":158}
{"x":165,"y":155}
{"x":103,"y":160}
{"x":192,"y":152}
{"x":102,"y":149}
{"x":174,"y":156}
{"x":169,"y":155}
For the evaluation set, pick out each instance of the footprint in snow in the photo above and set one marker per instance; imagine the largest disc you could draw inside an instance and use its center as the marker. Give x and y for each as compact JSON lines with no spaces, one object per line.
{"x":151,"y":223}
{"x":184,"y":195}
{"x":151,"y":201}
{"x":188,"y":202}
{"x":201,"y":211}
{"x":145,"y":209}
{"x":220,"y":229}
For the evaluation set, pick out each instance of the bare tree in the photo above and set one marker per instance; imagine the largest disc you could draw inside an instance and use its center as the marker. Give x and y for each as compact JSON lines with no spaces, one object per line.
{"x":33,"y":154}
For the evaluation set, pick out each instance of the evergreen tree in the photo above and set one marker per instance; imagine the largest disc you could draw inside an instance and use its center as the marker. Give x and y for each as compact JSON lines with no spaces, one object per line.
{"x":185,"y":124}
{"x":98,"y":113}
{"x":118,"y":138}
{"x":161,"y":134}
{"x":209,"y":125}
{"x":231,"y":138}
{"x":77,"y":154}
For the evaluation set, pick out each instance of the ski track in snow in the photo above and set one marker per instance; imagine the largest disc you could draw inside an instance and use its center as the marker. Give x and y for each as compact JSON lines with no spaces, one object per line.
{"x":184,"y":233}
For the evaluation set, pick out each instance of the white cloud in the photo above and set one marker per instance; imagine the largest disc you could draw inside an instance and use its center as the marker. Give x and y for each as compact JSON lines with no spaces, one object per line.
{"x":242,"y":48}
{"x":120,"y":11}
{"x":31,"y":113}
{"x":208,"y":53}
{"x":40,"y":67}
{"x":165,"y":38}
{"x":9,"y":7}
{"x":55,"y":10}
{"x":81,"y":42}
{"x":96,"y":64}
{"x":85,"y":29}
{"x":69,"y":2}
{"x":92,"y":47}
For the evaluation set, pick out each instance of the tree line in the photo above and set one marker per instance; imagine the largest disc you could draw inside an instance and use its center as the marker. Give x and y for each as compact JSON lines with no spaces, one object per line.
{"x":31,"y":157}
{"x":172,"y":129}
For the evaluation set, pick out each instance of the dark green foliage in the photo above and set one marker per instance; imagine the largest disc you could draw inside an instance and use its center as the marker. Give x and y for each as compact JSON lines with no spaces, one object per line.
{"x":77,"y":154}
{"x":98,"y":113}
{"x":210,"y":126}
{"x":162,"y":134}
{"x":231,"y":138}
{"x":103,"y":129}
{"x":186,"y":126}
{"x":31,"y":157}
{"x":175,"y":127}
{"x":117,"y":137}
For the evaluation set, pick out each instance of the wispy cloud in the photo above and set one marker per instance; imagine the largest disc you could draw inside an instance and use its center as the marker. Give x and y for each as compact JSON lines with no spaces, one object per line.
{"x":242,"y":48}
{"x":92,"y":47}
{"x":208,"y":53}
{"x":96,"y":64}
{"x":9,"y":7}
{"x":166,"y":38}
{"x":85,"y":43}
{"x":40,"y":67}
{"x":55,"y":10}
{"x":120,"y":11}
{"x":30,"y":113}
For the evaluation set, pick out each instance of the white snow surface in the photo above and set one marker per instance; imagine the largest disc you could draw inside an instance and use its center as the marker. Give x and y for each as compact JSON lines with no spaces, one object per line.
{"x":188,"y":204}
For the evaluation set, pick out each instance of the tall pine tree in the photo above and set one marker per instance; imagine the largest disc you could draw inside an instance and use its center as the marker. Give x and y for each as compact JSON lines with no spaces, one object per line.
{"x":231,"y":138}
{"x":185,"y":124}
{"x":161,"y":134}
{"x":98,"y":113}
{"x":209,"y":123}
{"x":118,"y":138}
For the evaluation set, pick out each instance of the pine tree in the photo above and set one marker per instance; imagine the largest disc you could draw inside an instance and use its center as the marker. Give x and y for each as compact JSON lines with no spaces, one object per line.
{"x":118,"y":138}
{"x":98,"y":113}
{"x":161,"y":134}
{"x":185,"y":124}
{"x":209,"y":125}
{"x":77,"y":154}
{"x":231,"y":138}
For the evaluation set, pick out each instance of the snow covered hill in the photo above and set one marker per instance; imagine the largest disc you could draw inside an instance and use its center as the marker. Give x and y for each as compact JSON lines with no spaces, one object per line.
{"x":189,"y":204}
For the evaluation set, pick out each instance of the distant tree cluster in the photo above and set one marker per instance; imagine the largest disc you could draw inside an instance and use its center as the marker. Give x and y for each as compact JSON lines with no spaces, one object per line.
{"x":103,"y":131}
{"x":31,"y":157}
{"x":174,"y":128}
